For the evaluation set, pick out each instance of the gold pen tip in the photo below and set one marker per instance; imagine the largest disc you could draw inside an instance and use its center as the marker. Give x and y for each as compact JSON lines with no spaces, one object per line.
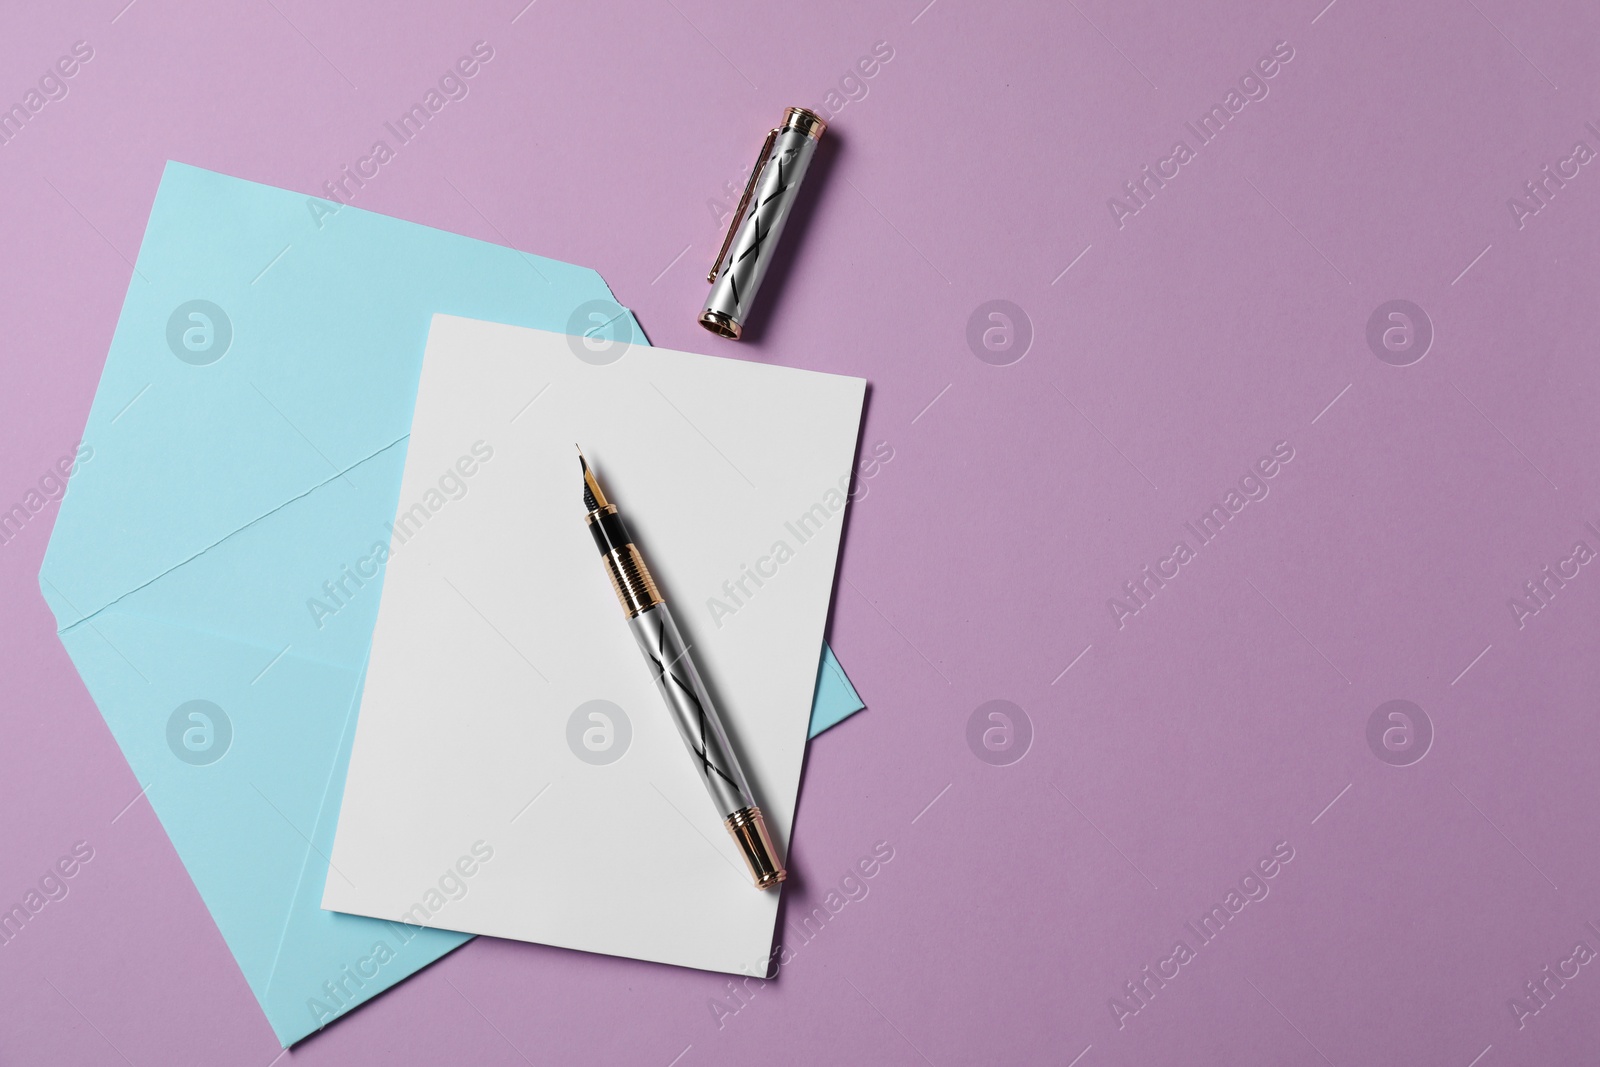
{"x":593,"y":497}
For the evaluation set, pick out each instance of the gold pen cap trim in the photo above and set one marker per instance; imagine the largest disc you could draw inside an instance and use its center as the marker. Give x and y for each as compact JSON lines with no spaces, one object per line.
{"x":806,"y":121}
{"x":749,"y":832}
{"x":721,"y":324}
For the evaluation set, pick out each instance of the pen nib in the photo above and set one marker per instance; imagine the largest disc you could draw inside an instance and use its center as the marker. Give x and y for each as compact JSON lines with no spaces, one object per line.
{"x":593,"y":498}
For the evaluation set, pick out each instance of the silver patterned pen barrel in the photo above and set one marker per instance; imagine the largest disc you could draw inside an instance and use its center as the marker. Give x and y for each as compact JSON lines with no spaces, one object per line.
{"x":758,"y":221}
{"x":679,"y":684}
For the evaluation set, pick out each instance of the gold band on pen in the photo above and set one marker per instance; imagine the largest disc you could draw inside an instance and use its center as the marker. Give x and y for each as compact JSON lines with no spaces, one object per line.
{"x":630,"y":578}
{"x":749,"y":830}
{"x":806,"y":121}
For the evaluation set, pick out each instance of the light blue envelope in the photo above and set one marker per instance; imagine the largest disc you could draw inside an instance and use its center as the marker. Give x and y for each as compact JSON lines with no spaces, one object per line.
{"x":835,"y":699}
{"x":249,"y":434}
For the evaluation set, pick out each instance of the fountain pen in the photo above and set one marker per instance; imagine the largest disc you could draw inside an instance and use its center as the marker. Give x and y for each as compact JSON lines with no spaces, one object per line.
{"x":679,"y":684}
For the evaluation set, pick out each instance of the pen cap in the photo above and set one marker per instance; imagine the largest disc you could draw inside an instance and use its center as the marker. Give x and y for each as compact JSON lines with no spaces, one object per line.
{"x":758,"y":221}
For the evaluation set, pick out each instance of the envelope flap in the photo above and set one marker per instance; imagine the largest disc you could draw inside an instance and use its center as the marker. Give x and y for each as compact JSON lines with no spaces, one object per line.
{"x":228,"y":393}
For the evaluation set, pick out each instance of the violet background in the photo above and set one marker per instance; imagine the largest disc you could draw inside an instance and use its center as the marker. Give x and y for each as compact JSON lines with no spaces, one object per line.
{"x":1222,"y":318}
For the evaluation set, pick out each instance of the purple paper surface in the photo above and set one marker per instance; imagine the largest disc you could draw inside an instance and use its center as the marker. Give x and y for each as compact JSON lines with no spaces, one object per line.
{"x":1365,"y":272}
